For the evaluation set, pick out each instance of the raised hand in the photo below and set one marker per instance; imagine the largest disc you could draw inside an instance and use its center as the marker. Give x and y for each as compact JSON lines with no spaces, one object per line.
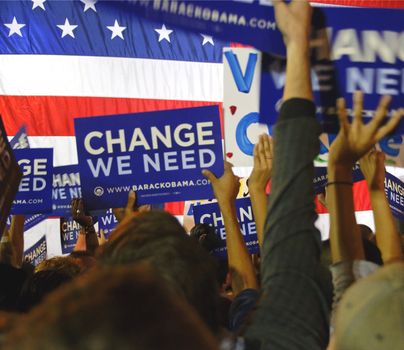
{"x":355,"y":140}
{"x":79,"y":215}
{"x":293,"y":20}
{"x":121,"y":213}
{"x":372,"y":167}
{"x":263,"y":159}
{"x":227,"y":186}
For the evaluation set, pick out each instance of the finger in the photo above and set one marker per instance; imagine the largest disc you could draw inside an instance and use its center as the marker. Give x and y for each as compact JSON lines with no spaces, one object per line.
{"x":381,"y":111}
{"x":227,"y":165}
{"x":209,"y":175}
{"x":357,"y":106}
{"x":342,"y":115}
{"x":267,"y":147}
{"x":257,"y":160}
{"x":131,"y":200}
{"x":390,"y":125}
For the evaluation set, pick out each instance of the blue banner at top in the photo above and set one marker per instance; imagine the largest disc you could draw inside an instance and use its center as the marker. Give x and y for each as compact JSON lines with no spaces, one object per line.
{"x":159,"y":155}
{"x":352,"y":49}
{"x":244,"y":21}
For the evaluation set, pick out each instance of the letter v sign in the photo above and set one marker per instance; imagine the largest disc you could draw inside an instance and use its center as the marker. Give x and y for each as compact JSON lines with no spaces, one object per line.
{"x":243,"y":82}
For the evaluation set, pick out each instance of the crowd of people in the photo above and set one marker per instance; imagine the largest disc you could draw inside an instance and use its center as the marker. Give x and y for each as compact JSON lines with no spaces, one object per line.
{"x":152,"y":285}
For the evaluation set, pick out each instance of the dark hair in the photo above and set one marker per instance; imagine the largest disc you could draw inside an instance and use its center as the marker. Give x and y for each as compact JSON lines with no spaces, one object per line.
{"x":158,"y":238}
{"x":206,"y":236}
{"x":122,"y":308}
{"x":48,"y":276}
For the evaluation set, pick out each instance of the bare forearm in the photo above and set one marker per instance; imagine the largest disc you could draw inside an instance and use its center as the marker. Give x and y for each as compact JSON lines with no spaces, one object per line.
{"x":259,"y":207}
{"x":298,"y":79}
{"x":239,"y":260}
{"x":387,"y":236}
{"x":345,"y":241}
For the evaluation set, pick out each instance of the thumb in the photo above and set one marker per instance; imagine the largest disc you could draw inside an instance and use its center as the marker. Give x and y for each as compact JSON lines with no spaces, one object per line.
{"x":209,"y":175}
{"x":131,"y":200}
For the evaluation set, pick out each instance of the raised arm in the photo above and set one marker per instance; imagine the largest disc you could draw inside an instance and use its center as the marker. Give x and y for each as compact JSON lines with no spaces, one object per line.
{"x":240,"y":263}
{"x":12,"y":242}
{"x":387,"y":236}
{"x":87,"y":232}
{"x":258,"y":182}
{"x":353,"y":141}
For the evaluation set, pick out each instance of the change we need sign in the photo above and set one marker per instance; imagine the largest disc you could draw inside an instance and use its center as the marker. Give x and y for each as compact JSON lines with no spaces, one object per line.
{"x":35,"y":191}
{"x":210,"y":214}
{"x":157,"y":154}
{"x":37,"y":253}
{"x":66,"y":187}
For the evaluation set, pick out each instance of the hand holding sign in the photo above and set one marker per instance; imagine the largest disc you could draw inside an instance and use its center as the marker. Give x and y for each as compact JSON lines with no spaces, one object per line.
{"x":79,"y":215}
{"x":372,"y":166}
{"x":226,"y":187}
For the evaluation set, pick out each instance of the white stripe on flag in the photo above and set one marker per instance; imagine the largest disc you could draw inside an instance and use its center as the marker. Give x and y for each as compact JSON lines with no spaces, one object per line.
{"x":46,"y":75}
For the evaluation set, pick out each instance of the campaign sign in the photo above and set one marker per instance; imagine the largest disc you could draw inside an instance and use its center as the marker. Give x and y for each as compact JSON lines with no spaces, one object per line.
{"x":107,"y":223}
{"x":37,"y":253}
{"x":159,"y":155}
{"x":210,"y":214}
{"x":321,"y":177}
{"x":394,"y":189}
{"x":352,"y":49}
{"x":69,"y":232}
{"x":245,"y":21}
{"x":35,"y":191}
{"x":20,"y":139}
{"x":10,"y":176}
{"x":241,"y":82}
{"x":66,"y":187}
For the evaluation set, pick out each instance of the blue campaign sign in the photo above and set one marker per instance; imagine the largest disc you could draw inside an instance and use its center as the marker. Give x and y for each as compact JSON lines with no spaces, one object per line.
{"x":69,"y":232}
{"x":37,"y":253}
{"x":394,"y":189}
{"x":159,"y":155}
{"x":246,"y":21}
{"x":210,"y":214}
{"x":10,"y":176}
{"x":352,"y":49}
{"x":107,"y":223}
{"x":35,"y":191}
{"x":20,"y":139}
{"x":33,"y":220}
{"x":66,"y":187}
{"x":321,"y":178}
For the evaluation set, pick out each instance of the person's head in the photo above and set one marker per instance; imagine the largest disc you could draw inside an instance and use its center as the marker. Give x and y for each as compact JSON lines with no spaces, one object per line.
{"x":48,"y":275}
{"x":113,"y":308}
{"x":206,"y":236}
{"x":158,"y":238}
{"x":367,"y":233}
{"x":370,"y":316}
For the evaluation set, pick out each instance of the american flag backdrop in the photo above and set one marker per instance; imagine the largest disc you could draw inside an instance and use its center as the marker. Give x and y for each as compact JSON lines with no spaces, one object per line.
{"x":65,"y":59}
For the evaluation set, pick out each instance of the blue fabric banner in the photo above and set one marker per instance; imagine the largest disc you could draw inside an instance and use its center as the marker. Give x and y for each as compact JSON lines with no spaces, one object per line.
{"x":10,"y":176}
{"x":35,"y":191}
{"x":210,"y":214}
{"x":66,"y":187}
{"x":37,"y":253}
{"x":159,"y":155}
{"x":247,"y":22}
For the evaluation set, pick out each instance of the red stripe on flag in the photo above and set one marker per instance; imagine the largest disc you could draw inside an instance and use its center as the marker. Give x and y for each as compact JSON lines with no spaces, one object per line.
{"x":53,"y":115}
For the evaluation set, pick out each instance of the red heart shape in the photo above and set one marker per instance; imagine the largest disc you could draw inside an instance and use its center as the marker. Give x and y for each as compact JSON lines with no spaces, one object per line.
{"x":233,"y":109}
{"x":229,"y":154}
